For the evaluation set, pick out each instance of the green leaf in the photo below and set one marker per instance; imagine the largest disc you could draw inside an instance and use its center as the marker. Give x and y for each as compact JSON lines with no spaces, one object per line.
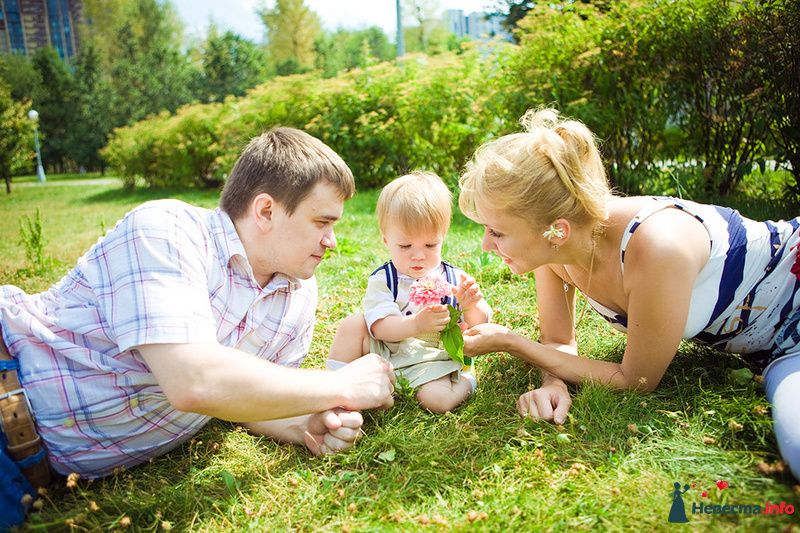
{"x":741,"y":376}
{"x":230,"y":482}
{"x":452,"y":337}
{"x":387,"y":456}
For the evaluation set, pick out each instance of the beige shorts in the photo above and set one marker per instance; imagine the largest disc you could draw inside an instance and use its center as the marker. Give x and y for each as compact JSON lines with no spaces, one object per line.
{"x":419,"y":359}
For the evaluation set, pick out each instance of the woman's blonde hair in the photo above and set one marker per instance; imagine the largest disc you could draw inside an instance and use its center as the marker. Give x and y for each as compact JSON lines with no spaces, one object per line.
{"x":416,"y":202}
{"x":552,"y":170}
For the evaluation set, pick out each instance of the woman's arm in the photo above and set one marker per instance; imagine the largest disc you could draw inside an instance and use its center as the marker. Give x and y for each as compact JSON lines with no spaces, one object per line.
{"x":661,"y":267}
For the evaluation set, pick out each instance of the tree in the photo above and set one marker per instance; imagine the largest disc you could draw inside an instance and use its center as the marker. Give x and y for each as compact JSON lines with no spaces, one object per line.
{"x":292,"y":29}
{"x":149,"y":72}
{"x":18,"y":73}
{"x":774,"y":60}
{"x":345,"y":49}
{"x":426,"y":15}
{"x":715,"y":90}
{"x":512,"y":12}
{"x":54,"y":100}
{"x":230,"y":65}
{"x":93,"y":106}
{"x":16,"y":135}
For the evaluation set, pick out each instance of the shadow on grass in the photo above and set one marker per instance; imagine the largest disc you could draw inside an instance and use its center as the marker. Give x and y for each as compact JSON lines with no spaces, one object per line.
{"x":125,"y":195}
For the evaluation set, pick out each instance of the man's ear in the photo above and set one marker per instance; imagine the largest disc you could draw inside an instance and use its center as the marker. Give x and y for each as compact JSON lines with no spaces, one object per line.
{"x":262,"y":209}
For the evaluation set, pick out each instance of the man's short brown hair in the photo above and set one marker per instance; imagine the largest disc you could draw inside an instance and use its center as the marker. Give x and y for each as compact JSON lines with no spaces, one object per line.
{"x":285,"y":163}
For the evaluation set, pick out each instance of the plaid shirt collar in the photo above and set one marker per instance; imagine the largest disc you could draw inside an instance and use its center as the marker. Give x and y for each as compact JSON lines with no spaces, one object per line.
{"x":232,"y":250}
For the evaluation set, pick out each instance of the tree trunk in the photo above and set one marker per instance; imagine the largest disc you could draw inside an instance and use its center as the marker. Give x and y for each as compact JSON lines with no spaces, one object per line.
{"x":8,"y":183}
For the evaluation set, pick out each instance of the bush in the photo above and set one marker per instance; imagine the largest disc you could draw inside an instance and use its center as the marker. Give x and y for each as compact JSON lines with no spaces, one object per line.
{"x":384,"y":121}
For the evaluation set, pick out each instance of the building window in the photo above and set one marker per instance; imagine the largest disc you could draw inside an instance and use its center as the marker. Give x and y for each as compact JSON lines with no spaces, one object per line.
{"x":67,"y":27}
{"x":14,"y":26}
{"x":56,"y":32}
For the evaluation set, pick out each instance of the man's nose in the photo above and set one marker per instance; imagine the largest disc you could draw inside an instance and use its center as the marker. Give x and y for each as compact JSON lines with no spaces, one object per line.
{"x":329,"y":240}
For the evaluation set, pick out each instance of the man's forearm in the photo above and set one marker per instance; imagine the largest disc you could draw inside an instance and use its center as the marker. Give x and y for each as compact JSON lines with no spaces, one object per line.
{"x":232,"y":385}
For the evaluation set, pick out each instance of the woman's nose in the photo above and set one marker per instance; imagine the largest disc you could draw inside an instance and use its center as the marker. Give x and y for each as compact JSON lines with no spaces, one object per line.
{"x":487,"y":243}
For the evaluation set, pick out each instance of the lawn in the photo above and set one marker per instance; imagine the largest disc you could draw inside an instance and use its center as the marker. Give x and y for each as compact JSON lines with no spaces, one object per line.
{"x":611,"y":466}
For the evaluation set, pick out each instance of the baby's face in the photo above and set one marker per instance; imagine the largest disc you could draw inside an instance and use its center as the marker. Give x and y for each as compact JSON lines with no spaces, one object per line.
{"x":414,"y":255}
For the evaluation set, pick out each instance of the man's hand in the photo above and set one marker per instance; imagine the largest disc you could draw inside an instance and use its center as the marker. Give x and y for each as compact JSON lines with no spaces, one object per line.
{"x":332,"y":431}
{"x":434,"y":317}
{"x":368,"y":382}
{"x":550,"y":402}
{"x":468,"y":292}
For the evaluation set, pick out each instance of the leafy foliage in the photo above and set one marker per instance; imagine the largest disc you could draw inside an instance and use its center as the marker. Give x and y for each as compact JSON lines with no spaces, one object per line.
{"x":16,"y":135}
{"x":292,"y":29}
{"x":230,"y":65}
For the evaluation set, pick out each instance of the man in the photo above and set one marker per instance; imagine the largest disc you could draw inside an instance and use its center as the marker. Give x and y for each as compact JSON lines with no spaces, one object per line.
{"x":181,"y":314}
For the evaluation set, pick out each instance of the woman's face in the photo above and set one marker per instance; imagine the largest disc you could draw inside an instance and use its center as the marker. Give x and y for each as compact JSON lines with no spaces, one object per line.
{"x":511,"y":237}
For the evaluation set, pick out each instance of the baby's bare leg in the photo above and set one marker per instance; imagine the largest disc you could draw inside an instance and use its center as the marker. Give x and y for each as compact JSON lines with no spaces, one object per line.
{"x":442,"y":395}
{"x":351,"y":340}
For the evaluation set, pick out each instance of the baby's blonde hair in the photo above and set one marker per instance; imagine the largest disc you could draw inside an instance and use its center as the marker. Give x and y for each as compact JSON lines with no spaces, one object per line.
{"x":416,"y":202}
{"x":552,"y":170}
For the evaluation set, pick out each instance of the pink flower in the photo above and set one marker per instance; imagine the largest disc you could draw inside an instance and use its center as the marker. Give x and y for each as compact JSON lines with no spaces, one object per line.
{"x":429,"y":290}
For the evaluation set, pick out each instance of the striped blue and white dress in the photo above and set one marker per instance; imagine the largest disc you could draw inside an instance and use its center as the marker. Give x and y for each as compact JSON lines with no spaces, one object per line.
{"x":746,"y":299}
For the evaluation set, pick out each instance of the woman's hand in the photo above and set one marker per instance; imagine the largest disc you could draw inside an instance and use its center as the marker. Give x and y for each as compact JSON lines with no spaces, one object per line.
{"x":550,"y":402}
{"x":486,"y":338}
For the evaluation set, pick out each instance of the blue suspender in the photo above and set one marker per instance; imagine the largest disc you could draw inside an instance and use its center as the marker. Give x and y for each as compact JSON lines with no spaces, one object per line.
{"x":390,"y":272}
{"x":450,"y":275}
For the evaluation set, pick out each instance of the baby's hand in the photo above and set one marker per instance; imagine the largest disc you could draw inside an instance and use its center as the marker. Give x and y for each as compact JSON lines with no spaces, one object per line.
{"x":433,"y":317}
{"x":468,"y":292}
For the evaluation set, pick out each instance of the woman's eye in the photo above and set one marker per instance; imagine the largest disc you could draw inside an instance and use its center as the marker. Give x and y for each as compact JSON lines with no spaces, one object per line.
{"x":493,"y":233}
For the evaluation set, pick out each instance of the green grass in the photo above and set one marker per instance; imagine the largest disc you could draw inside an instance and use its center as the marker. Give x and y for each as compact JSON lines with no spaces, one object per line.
{"x":613,"y":471}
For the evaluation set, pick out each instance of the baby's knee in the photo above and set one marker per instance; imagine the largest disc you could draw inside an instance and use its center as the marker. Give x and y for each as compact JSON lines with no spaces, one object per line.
{"x":437,"y":398}
{"x":351,"y":340}
{"x":353,"y":325}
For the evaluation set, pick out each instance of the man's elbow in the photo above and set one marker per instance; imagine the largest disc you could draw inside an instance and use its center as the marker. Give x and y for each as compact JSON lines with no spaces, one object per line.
{"x":188,"y":398}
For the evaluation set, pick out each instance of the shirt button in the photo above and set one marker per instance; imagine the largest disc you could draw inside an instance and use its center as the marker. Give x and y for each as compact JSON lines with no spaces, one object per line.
{"x":134,"y":402}
{"x":68,"y":423}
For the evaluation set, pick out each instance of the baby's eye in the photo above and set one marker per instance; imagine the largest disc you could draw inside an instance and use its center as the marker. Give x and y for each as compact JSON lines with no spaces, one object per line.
{"x":432,"y":245}
{"x":404,"y":246}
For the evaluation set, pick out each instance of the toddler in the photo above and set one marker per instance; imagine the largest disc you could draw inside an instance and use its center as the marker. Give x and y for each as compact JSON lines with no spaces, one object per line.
{"x":414,"y":215}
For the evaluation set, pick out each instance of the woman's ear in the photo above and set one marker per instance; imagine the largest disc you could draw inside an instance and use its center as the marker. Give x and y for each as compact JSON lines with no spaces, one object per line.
{"x":564,"y":227}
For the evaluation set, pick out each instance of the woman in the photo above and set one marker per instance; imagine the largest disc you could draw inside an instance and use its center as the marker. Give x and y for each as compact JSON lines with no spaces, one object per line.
{"x":660,"y":269}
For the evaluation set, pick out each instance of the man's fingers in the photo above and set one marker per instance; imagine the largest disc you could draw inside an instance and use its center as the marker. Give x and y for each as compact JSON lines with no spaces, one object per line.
{"x":331,"y":420}
{"x":350,"y":419}
{"x":345,"y":434}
